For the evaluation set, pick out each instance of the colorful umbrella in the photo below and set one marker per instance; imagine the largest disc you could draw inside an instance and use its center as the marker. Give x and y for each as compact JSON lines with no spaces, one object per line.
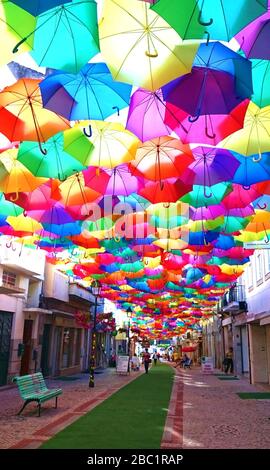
{"x":72,"y":24}
{"x":161,"y":158}
{"x":55,"y":164}
{"x":29,"y":120}
{"x":146,"y":115}
{"x":218,"y":19}
{"x":140,"y":47}
{"x":36,"y":7}
{"x":93,"y":93}
{"x":213,"y":166}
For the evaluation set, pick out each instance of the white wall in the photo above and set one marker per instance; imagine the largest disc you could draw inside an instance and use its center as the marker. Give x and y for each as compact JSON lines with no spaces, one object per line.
{"x":56,"y":284}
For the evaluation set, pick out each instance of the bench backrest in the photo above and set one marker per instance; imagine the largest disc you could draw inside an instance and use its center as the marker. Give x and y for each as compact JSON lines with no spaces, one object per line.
{"x":30,"y":384}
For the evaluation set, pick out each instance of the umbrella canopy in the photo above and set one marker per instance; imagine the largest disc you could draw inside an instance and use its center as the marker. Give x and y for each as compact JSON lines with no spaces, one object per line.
{"x":55,"y":164}
{"x":261,"y":82}
{"x":36,"y":7}
{"x":18,"y":177}
{"x":14,"y":26}
{"x":161,"y":158}
{"x":122,"y":182}
{"x":254,"y":37}
{"x":113,"y":144}
{"x":254,"y":137}
{"x":147,"y":114}
{"x":221,"y":20}
{"x":73,"y":24}
{"x":209,"y":129}
{"x":204,"y":196}
{"x":29,"y":120}
{"x":93,"y":93}
{"x":250,"y":172}
{"x":140,"y":47}
{"x":213,"y":166}
{"x":213,"y":92}
{"x":169,"y":191}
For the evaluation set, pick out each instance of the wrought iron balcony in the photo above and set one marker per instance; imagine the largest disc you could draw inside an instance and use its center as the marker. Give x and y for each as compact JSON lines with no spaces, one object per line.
{"x":235,"y":300}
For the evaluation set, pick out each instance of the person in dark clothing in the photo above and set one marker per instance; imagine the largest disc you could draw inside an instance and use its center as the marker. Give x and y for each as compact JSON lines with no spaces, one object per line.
{"x":154,"y":357}
{"x":146,"y":360}
{"x":228,"y":361}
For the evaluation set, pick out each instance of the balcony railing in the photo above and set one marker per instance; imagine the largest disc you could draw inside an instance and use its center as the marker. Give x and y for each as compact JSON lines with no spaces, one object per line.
{"x":234,"y":299}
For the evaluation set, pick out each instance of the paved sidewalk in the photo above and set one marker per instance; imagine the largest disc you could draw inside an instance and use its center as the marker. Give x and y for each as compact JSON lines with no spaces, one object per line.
{"x":216,"y":418}
{"x":28,"y":431}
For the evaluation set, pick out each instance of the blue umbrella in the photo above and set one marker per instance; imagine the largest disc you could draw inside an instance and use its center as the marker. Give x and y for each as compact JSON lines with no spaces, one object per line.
{"x":36,"y":7}
{"x":251,"y":170}
{"x":93,"y":93}
{"x":216,"y":56}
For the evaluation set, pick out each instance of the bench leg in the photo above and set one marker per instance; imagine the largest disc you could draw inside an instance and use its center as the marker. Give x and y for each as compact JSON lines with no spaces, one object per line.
{"x":24,"y":405}
{"x":39,"y":408}
{"x":56,"y":402}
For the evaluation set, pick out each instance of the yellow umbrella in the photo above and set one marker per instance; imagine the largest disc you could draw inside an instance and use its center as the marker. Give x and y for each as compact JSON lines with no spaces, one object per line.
{"x":168,"y":244}
{"x":254,"y":138}
{"x":113,"y":144}
{"x":75,"y":193}
{"x":140,"y":47}
{"x":19,"y":178}
{"x":24,"y":224}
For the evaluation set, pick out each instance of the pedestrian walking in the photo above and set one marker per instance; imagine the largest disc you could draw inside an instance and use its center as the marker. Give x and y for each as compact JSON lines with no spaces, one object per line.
{"x":146,"y":360}
{"x":228,"y":361}
{"x":154,"y":357}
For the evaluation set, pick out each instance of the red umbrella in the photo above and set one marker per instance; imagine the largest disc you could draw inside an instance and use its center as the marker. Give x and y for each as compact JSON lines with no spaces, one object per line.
{"x":167,"y":191}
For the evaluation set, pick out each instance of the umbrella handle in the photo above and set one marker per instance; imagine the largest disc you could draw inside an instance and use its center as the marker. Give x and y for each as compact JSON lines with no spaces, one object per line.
{"x":117,"y":109}
{"x":88,"y":134}
{"x":204,"y":23}
{"x":61,"y":178}
{"x":267,"y":239}
{"x":16,"y":48}
{"x":25,"y":213}
{"x":246,"y":188}
{"x":13,"y":199}
{"x":166,"y":205}
{"x":208,"y":37}
{"x":195,"y":118}
{"x":117,"y":238}
{"x":256,"y":160}
{"x":151,"y":54}
{"x":44,"y":151}
{"x":210,"y":136}
{"x":264,"y":206}
{"x":207,"y":195}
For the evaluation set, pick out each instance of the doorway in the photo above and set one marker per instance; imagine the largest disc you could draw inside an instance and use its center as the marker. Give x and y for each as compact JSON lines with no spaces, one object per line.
{"x":44,"y":363}
{"x":27,"y":341}
{"x":5,"y":334}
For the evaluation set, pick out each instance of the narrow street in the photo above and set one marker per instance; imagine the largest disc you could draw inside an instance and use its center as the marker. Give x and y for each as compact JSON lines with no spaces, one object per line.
{"x":204,"y":412}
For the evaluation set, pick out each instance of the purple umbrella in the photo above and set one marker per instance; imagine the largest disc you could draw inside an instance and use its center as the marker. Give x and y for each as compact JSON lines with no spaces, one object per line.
{"x":254,"y":38}
{"x":56,"y":215}
{"x":122,"y":182}
{"x":213,"y":165}
{"x":146,"y":115}
{"x":203,"y":91}
{"x":207,"y":213}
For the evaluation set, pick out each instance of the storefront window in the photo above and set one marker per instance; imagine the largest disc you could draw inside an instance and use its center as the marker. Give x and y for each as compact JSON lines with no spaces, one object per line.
{"x":68,"y":337}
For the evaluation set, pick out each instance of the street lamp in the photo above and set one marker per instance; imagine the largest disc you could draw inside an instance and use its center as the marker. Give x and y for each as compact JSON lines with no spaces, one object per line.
{"x":129,"y":311}
{"x":95,"y":290}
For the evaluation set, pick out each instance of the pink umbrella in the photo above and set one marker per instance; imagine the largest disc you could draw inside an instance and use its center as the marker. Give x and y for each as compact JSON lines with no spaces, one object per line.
{"x":207,"y":129}
{"x":240,"y":197}
{"x":254,"y":38}
{"x":146,"y":115}
{"x":206,"y":213}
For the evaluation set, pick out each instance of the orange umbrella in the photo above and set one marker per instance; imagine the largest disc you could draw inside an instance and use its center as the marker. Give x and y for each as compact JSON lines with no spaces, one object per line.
{"x":161,"y":158}
{"x":22,"y":116}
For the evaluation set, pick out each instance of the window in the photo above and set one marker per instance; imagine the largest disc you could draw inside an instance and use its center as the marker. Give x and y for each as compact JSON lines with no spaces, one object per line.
{"x":250,"y":276}
{"x":9,"y":278}
{"x":267,"y":261}
{"x":259,"y":270}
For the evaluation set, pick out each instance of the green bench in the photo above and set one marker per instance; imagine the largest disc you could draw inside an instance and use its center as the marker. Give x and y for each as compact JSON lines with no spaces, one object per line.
{"x":33,"y":388}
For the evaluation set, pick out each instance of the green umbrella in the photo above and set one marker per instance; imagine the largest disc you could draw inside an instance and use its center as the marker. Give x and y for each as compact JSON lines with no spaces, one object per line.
{"x":261,"y":82}
{"x":234,"y":224}
{"x":220,"y":19}
{"x":78,"y":145}
{"x":14,"y":25}
{"x":66,"y":37}
{"x":57,"y":163}
{"x":205,"y":196}
{"x":9,"y":208}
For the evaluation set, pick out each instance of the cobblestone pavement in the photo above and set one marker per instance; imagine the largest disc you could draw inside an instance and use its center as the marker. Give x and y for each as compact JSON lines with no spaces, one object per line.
{"x":215,"y":417}
{"x":29,"y":431}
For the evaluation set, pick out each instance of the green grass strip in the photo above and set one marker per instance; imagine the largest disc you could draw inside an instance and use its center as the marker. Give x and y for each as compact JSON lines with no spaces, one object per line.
{"x":132,"y":418}
{"x":254,"y":395}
